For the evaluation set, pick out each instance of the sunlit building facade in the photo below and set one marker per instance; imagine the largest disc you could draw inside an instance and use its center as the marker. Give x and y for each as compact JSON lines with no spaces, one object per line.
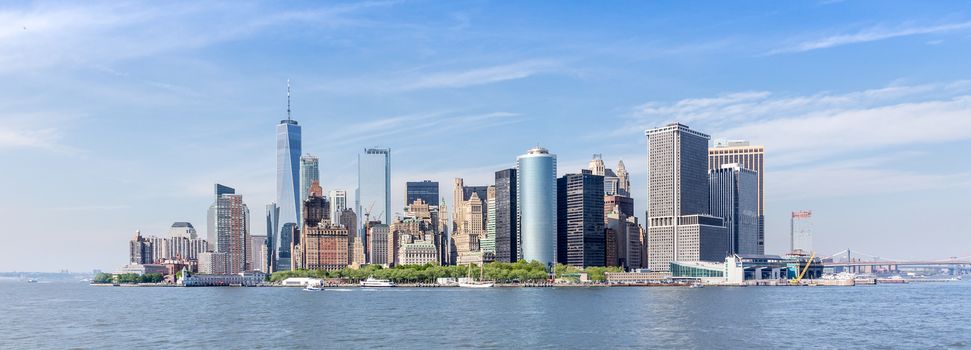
{"x":536,"y":196}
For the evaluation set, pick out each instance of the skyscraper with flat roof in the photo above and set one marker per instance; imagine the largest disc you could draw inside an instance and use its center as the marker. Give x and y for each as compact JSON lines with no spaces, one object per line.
{"x":373,"y":199}
{"x":507,"y":230}
{"x":679,"y":227}
{"x":309,"y":172}
{"x":749,"y":157}
{"x":427,"y":190}
{"x":580,"y":220}
{"x":288,"y":150}
{"x":229,"y":228}
{"x":536,"y":196}
{"x":734,"y":197}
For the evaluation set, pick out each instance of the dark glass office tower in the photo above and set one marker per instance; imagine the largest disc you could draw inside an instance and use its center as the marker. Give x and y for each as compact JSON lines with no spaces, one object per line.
{"x":425,"y":190}
{"x":507,"y":233}
{"x":580,"y":220}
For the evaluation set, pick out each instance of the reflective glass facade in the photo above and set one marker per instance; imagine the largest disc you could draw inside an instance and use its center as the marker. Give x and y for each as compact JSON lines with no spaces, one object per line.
{"x":287,"y":188}
{"x":536,"y":195}
{"x":373,"y":186}
{"x":507,"y":230}
{"x":426,"y":190}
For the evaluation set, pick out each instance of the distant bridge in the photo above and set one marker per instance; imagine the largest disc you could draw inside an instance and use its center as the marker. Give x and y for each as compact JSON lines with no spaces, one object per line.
{"x":867,"y":260}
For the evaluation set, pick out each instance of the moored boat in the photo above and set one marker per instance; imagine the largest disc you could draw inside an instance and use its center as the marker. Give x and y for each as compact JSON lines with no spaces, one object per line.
{"x":374,"y":282}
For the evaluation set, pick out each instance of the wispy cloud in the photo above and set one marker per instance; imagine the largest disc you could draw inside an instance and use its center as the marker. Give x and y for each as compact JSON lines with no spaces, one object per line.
{"x":40,"y":138}
{"x":45,"y":35}
{"x":416,"y":126}
{"x":425,"y":78}
{"x":479,"y":76}
{"x":868,"y":35}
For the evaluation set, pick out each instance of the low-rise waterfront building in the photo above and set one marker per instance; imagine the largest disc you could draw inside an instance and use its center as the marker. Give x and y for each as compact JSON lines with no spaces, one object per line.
{"x":142,"y":269}
{"x":247,"y":279}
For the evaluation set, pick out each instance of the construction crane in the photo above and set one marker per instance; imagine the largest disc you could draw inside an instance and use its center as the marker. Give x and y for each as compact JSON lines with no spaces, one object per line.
{"x":367,"y":213}
{"x":809,"y":263}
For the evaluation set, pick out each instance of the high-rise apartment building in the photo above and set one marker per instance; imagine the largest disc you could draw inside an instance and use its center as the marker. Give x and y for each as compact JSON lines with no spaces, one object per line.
{"x":507,"y":228}
{"x":140,"y":250}
{"x":734,"y":197}
{"x":229,"y":228}
{"x":749,"y":157}
{"x":679,"y":227}
{"x":373,"y":196}
{"x":536,"y":196}
{"x":427,"y":190}
{"x":288,"y":149}
{"x":580,"y":220}
{"x":309,"y":172}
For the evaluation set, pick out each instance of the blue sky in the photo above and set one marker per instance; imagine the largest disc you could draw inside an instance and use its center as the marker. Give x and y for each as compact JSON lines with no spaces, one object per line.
{"x":117,"y":116}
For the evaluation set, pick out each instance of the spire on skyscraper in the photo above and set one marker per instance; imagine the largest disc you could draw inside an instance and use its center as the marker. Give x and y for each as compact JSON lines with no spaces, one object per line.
{"x":288,"y":100}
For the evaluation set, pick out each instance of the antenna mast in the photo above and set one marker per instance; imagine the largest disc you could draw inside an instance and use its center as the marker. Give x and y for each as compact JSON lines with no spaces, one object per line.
{"x":288,"y":99}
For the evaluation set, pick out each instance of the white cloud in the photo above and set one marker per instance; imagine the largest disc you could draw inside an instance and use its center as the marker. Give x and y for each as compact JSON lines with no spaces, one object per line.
{"x":869,"y":34}
{"x":807,"y":136}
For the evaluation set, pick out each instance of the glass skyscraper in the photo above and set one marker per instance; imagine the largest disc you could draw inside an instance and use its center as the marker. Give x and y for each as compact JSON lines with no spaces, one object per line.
{"x":536,"y":195}
{"x":426,"y":190}
{"x":373,"y":197}
{"x":507,"y":237}
{"x":309,"y":172}
{"x":287,"y":187}
{"x":735,"y":198}
{"x":580,"y":222}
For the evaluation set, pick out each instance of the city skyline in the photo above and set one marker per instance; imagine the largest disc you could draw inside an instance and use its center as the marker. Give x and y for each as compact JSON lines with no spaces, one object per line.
{"x":854,"y":140}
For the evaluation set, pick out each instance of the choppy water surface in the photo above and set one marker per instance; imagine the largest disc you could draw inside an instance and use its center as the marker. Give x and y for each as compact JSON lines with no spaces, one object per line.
{"x":69,"y":315}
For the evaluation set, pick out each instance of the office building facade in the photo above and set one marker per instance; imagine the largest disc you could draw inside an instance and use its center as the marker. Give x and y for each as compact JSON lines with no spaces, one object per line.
{"x":747,"y":156}
{"x":373,"y":195}
{"x":580,"y":220}
{"x":309,"y":172}
{"x":734,"y":197}
{"x":507,"y":229}
{"x":426,"y":190}
{"x":288,"y":150}
{"x":536,"y":196}
{"x":679,"y":227}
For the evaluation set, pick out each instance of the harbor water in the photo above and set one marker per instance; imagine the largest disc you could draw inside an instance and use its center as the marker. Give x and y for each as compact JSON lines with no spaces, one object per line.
{"x":75,"y":315}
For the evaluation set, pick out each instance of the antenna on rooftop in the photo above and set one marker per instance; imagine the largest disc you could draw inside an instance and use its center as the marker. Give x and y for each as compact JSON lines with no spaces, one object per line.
{"x":288,"y":99}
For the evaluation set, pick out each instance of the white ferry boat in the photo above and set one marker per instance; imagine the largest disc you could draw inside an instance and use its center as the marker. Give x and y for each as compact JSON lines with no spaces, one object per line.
{"x":374,"y":282}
